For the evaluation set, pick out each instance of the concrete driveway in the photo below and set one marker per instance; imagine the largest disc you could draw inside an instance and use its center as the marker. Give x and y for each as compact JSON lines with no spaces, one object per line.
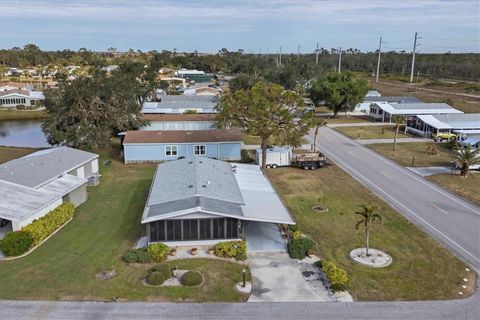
{"x":262,"y":236}
{"x":277,"y":278}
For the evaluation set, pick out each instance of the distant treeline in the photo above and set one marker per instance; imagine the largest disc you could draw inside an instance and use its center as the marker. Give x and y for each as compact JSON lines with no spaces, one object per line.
{"x":301,"y":68}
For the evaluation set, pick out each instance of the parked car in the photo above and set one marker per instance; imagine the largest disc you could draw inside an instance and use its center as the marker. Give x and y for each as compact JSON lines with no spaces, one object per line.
{"x":444,"y":136}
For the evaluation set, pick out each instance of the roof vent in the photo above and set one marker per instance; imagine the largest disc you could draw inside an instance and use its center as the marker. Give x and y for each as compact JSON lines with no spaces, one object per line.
{"x":204,"y":186}
{"x":190,"y":186}
{"x":190,"y":162}
{"x":188,"y":132}
{"x":159,"y":133}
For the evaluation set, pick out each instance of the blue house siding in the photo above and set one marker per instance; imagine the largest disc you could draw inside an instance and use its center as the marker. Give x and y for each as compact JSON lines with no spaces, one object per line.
{"x":154,"y":152}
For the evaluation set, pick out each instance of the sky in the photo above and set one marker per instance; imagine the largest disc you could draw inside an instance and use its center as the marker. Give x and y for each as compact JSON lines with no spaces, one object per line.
{"x":254,"y":26}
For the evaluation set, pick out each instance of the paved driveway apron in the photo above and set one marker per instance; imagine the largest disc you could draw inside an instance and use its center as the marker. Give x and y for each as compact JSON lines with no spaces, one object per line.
{"x":449,"y":218}
{"x":276,"y":277}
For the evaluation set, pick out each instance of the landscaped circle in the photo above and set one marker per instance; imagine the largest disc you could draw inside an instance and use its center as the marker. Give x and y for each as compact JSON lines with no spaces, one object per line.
{"x":376,"y":258}
{"x":156,"y":278}
{"x":191,"y":278}
{"x":319,"y":209}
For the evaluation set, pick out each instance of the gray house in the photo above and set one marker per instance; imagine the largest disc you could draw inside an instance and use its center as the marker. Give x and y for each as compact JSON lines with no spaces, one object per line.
{"x":201,"y":201}
{"x":185,"y":121}
{"x":35,"y":184}
{"x":181,"y":104}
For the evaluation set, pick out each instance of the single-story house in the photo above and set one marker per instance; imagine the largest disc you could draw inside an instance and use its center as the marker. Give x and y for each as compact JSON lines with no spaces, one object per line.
{"x":385,"y":112}
{"x":376,"y":97}
{"x":37,"y":183}
{"x":185,"y":121}
{"x":201,"y":201}
{"x":15,"y":97}
{"x":193,"y":75}
{"x":461,"y":124}
{"x":155,"y":146}
{"x":202,"y":89}
{"x":181,"y":104}
{"x":5,"y":86}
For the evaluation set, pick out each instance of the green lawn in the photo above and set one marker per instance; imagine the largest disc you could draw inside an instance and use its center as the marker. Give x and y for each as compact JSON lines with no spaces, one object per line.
{"x":10,"y":153}
{"x":406,"y":151}
{"x":468,"y":187}
{"x":345,"y":119}
{"x":371,"y":132}
{"x":103,"y":228}
{"x":422,"y":268}
{"x":21,"y":114}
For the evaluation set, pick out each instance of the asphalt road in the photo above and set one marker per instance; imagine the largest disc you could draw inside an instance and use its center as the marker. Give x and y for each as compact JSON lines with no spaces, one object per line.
{"x":464,"y":309}
{"x":450,"y":219}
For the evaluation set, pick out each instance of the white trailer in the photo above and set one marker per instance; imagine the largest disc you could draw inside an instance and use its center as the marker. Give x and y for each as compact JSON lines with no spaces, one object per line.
{"x":276,"y":157}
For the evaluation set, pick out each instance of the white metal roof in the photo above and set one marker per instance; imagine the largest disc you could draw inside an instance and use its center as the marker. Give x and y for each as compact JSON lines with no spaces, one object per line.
{"x":417,"y":108}
{"x":20,"y":202}
{"x":262,"y":203}
{"x":465,"y":121}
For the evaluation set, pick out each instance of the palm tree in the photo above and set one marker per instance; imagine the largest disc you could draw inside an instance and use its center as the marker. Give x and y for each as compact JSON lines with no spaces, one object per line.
{"x":399,"y":121}
{"x":369,"y":216}
{"x":467,"y":157}
{"x":316,"y":122}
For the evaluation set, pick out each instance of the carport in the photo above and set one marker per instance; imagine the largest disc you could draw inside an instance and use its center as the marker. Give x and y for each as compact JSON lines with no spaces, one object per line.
{"x":263,"y":210}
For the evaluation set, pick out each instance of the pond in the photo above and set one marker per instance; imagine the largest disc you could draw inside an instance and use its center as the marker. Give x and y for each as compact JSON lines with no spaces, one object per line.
{"x":22,"y":133}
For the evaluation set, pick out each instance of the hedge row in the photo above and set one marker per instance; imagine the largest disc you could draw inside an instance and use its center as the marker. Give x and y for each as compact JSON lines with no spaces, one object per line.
{"x":298,"y":247}
{"x":41,"y":228}
{"x":18,"y":242}
{"x":232,"y":249}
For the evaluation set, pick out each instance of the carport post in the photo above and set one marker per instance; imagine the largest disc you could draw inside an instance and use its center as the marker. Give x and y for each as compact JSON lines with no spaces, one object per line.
{"x":244,"y":271}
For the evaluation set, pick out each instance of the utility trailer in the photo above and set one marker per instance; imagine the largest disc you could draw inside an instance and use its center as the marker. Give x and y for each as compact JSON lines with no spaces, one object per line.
{"x":309,"y":161}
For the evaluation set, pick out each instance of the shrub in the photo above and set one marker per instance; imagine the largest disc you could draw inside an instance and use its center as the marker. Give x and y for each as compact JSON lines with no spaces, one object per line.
{"x":140,"y":255}
{"x":295,"y":228}
{"x":298,"y":248}
{"x":156,"y":278}
{"x":338,"y":277}
{"x":296,"y":235}
{"x":163,"y":269}
{"x":230,"y":249}
{"x":191,"y":278}
{"x":245,"y":156}
{"x":16,"y":243}
{"x":158,"y":251}
{"x":41,"y":228}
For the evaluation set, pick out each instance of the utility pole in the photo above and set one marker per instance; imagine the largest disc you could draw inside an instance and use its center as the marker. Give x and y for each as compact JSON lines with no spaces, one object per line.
{"x":413,"y":55}
{"x":340,"y":61}
{"x":416,"y":84}
{"x":298,"y":50}
{"x":316,"y":54}
{"x":280,"y":57}
{"x":379,"y":55}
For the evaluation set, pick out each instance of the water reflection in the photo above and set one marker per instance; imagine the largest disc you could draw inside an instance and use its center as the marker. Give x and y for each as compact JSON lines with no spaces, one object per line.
{"x":22,"y":133}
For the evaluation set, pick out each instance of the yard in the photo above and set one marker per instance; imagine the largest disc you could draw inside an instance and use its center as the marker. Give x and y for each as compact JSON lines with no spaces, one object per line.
{"x":21,"y":114}
{"x":406,"y":151}
{"x":102,"y":230}
{"x":465,"y":187}
{"x":345,"y":119}
{"x":10,"y":153}
{"x":255,"y":140}
{"x":371,"y":132}
{"x":422,"y":268}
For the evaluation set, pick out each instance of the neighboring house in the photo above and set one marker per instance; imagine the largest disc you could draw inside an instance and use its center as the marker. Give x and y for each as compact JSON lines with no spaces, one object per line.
{"x":5,"y":86}
{"x":184,"y":121}
{"x":193,"y":75}
{"x":35,"y":184}
{"x":201,"y":201}
{"x":385,"y":112}
{"x":202,"y":89}
{"x":181,"y":104}
{"x":372,"y":97}
{"x":15,"y":98}
{"x":155,"y":146}
{"x":462,"y":124}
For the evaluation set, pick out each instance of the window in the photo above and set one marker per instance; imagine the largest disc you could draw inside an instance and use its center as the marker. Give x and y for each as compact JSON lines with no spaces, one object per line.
{"x":232,"y":228}
{"x":219,"y":228}
{"x":190,"y":229}
{"x":205,"y":229}
{"x":199,"y":150}
{"x":170,"y":150}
